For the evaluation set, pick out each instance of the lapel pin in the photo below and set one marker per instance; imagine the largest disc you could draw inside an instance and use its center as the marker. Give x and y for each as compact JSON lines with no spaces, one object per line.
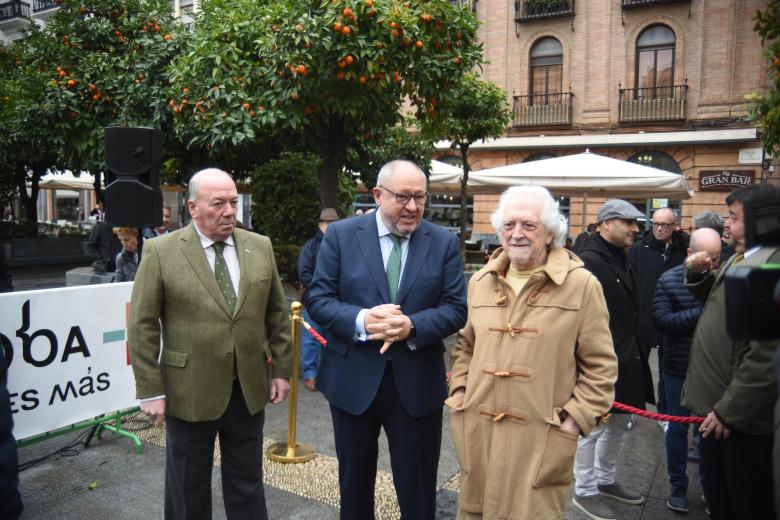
{"x":246,"y":251}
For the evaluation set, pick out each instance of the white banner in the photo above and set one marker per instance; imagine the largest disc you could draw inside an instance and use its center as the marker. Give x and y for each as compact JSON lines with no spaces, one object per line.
{"x":68,"y":355}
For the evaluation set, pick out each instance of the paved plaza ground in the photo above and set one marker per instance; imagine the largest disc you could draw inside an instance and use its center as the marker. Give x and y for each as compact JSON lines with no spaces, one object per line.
{"x":108,"y":480}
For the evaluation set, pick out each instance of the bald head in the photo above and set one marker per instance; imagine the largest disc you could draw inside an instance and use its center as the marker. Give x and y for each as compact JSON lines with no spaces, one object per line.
{"x":707,"y":240}
{"x":206,"y":175}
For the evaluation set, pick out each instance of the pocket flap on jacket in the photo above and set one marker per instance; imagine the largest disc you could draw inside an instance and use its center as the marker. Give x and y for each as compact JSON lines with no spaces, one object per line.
{"x":174,"y":358}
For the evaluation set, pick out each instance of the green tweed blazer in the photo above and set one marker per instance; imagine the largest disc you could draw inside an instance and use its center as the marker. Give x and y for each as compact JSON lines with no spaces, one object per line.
{"x":176,"y":299}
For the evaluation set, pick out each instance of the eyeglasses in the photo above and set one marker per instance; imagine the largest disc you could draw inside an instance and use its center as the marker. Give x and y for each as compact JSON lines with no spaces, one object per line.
{"x":663,"y":225}
{"x":403,"y":198}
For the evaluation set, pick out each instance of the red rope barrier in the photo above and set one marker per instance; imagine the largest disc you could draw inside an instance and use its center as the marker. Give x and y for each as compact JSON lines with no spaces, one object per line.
{"x":619,"y":406}
{"x":657,"y":416}
{"x":314,"y":333}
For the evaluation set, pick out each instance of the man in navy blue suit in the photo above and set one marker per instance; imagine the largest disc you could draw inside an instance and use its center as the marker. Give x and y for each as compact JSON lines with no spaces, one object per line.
{"x":383,"y":365}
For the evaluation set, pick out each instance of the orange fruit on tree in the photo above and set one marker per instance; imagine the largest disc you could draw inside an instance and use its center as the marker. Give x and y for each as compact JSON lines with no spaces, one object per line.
{"x":252,"y":113}
{"x":363,"y":80}
{"x":167,"y":37}
{"x":62,"y":73}
{"x":337,"y":27}
{"x":71,"y":82}
{"x":346,"y":30}
{"x":349,"y":59}
{"x":92,"y":87}
{"x":395,"y":33}
{"x":295,"y":96}
{"x":456,"y":60}
{"x":418,"y":44}
{"x":246,"y":106}
{"x":156,"y":28}
{"x":369,"y":3}
{"x":302,"y":69}
{"x":347,"y":12}
{"x":340,"y":75}
{"x":342,"y":64}
{"x":185,"y":91}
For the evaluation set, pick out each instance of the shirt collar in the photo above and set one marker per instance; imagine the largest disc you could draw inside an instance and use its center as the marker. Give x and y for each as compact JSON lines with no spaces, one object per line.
{"x":206,"y":242}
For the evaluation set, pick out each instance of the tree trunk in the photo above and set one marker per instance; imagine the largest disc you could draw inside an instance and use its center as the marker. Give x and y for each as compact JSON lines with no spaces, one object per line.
{"x":332,"y":147}
{"x":464,"y":207}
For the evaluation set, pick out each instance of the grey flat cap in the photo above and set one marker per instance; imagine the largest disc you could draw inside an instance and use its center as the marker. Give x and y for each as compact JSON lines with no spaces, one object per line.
{"x":618,"y":208}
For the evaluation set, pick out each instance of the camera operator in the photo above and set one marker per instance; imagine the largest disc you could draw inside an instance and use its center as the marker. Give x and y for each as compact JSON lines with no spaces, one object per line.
{"x":731,"y":382}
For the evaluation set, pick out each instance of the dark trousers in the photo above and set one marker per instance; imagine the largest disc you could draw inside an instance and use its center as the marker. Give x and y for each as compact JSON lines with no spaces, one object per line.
{"x":189,"y":457}
{"x":676,"y":437}
{"x":739,"y":471}
{"x":414,"y":455}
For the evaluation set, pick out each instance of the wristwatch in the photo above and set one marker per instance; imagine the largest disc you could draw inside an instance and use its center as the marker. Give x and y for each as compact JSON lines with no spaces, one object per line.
{"x":411,"y":341}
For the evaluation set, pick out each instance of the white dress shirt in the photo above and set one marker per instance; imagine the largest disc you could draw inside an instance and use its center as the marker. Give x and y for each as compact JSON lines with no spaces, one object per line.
{"x":386,"y":245}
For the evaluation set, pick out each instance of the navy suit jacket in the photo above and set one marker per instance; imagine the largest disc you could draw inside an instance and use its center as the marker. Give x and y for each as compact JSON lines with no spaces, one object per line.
{"x":350,"y":276}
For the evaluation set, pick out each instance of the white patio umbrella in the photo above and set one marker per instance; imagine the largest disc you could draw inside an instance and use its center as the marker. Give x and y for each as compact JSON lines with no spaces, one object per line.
{"x":444,"y":177}
{"x":584,"y":174}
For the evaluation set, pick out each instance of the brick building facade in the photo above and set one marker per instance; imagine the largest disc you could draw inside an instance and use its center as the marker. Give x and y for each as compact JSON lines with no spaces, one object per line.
{"x":657,"y":82}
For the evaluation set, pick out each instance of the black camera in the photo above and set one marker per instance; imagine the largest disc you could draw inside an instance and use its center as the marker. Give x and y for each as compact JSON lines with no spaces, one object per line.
{"x":753,"y":291}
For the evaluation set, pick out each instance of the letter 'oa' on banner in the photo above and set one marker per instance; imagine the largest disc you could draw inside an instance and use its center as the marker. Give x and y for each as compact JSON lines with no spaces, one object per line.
{"x":68,"y":355}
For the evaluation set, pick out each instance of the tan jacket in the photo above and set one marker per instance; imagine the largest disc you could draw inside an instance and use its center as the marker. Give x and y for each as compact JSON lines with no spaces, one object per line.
{"x":176,"y":297}
{"x":525,"y":361}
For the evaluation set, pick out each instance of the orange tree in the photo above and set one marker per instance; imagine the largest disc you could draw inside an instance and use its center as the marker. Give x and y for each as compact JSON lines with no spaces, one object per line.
{"x":333,"y":71}
{"x":764,"y":107}
{"x":105,"y":63}
{"x":482,"y":112}
{"x":26,"y":152}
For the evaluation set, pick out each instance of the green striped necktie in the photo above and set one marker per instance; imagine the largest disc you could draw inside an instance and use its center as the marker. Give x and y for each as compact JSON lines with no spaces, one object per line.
{"x":223,"y":276}
{"x":393,"y":271}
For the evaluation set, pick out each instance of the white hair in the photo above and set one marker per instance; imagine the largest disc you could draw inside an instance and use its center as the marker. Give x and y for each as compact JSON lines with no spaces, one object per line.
{"x":552,"y":219}
{"x":195,"y":180}
{"x":387,"y":171}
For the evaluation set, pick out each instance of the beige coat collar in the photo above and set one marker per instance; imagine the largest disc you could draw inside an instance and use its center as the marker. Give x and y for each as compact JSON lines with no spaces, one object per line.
{"x":559,"y":262}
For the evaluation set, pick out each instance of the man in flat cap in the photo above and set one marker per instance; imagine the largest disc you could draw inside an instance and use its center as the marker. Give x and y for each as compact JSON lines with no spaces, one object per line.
{"x":307,"y":261}
{"x":605,"y":255}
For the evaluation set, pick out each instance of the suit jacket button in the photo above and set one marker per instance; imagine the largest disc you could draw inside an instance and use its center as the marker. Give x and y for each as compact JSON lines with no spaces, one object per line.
{"x":229,"y":355}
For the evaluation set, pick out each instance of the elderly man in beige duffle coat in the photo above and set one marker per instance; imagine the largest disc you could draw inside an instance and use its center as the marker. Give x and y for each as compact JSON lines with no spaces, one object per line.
{"x":533,"y":368}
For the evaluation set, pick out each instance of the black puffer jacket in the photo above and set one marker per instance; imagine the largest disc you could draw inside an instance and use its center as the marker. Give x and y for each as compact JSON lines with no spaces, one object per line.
{"x":651,"y":258}
{"x":675,"y":314}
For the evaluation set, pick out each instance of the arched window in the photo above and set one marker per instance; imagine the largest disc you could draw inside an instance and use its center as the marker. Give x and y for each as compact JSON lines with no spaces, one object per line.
{"x":452,"y":160}
{"x":546,"y":72}
{"x":538,"y":157}
{"x":655,"y":62}
{"x":659,"y":160}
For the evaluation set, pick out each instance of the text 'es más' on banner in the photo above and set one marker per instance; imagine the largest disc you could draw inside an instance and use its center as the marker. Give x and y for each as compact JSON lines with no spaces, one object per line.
{"x":67,"y":355}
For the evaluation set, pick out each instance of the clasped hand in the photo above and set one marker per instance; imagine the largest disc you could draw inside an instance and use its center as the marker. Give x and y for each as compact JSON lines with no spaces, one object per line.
{"x":387,"y":323}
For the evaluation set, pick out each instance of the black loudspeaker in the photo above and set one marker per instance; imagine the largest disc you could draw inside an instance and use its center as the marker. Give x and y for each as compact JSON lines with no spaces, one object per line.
{"x":133,"y":160}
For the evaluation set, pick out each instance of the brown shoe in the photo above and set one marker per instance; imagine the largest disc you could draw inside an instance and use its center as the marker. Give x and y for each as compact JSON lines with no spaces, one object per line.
{"x":310,"y":384}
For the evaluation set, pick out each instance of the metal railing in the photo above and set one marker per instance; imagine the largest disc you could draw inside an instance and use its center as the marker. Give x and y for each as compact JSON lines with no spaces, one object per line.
{"x":526,"y":10}
{"x":627,"y":4}
{"x":14,"y":9}
{"x":542,"y":109}
{"x":42,"y":5}
{"x":652,"y":103}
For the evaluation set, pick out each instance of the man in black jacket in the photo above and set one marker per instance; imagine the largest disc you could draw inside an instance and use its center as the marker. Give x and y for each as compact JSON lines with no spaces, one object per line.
{"x":675,"y":314}
{"x":307,"y":262}
{"x":604,"y":254}
{"x":659,"y":249}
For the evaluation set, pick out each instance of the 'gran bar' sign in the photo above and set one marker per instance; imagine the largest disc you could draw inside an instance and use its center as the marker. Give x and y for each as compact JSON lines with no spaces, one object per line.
{"x":725,"y":180}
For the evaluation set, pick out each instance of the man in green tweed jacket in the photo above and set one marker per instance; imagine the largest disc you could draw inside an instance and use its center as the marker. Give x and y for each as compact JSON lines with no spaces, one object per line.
{"x":212,"y":293}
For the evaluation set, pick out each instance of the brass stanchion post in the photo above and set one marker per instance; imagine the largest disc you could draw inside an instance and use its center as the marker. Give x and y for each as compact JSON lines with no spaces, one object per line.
{"x":292,"y":452}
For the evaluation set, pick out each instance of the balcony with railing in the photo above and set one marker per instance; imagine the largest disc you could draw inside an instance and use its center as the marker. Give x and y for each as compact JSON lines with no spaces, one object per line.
{"x":542,"y":109}
{"x":13,"y":11}
{"x":43,"y":5}
{"x":629,"y":4}
{"x":529,"y":10}
{"x":638,"y":105}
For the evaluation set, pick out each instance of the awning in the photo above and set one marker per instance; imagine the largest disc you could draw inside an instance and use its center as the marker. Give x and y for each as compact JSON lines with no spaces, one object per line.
{"x":586,"y":174}
{"x":733,"y":135}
